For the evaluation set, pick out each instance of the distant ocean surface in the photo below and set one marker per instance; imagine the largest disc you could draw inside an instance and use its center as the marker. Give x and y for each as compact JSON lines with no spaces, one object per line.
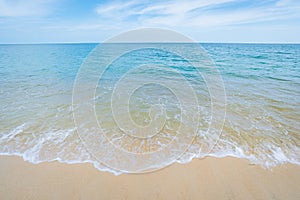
{"x":262,"y":83}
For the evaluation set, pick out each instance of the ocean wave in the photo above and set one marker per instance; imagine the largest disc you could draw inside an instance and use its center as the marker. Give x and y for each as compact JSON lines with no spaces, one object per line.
{"x":66,"y":147}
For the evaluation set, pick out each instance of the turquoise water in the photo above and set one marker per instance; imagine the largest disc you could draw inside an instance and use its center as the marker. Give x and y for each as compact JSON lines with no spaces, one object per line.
{"x":262,"y":83}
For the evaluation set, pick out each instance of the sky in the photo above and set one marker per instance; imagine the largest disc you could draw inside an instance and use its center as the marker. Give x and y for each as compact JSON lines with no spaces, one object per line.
{"x":56,"y":21}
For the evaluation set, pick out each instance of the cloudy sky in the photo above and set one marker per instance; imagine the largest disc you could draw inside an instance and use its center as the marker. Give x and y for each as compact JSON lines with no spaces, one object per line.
{"x":38,"y":21}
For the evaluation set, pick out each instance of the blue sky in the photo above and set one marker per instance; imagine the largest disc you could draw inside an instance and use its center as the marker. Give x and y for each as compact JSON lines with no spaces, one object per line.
{"x":38,"y":21}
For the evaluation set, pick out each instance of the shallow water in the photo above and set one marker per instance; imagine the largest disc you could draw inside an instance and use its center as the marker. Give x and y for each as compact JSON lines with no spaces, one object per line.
{"x":262,"y":83}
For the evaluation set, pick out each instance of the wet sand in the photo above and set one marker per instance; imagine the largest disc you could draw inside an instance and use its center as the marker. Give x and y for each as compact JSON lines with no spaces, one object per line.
{"x":209,"y":178}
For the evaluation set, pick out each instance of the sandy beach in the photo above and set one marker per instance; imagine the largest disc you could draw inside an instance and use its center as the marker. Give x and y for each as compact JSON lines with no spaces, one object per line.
{"x":209,"y":178}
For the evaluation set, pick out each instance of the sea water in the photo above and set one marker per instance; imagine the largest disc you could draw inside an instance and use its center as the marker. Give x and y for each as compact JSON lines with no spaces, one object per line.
{"x":261,"y":81}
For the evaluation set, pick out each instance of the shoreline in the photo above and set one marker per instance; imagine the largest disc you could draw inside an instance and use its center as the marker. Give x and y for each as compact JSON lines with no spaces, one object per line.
{"x":208,"y":178}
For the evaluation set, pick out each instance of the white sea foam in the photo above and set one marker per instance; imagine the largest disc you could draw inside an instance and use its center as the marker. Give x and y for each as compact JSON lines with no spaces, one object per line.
{"x":65,"y":146}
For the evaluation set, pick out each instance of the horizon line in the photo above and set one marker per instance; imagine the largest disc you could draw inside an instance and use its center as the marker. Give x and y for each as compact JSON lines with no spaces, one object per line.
{"x":206,"y":42}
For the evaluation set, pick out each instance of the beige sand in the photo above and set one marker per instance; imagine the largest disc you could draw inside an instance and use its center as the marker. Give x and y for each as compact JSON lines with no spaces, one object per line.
{"x":210,"y":178}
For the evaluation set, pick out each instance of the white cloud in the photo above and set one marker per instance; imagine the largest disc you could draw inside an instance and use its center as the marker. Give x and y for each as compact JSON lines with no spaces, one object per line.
{"x":135,"y":7}
{"x":19,"y":8}
{"x":108,"y":9}
{"x":213,"y":18}
{"x":286,"y":2}
{"x":190,"y":13}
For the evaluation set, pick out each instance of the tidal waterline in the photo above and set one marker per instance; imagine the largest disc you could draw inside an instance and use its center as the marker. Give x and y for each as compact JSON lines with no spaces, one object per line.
{"x":261,"y":81}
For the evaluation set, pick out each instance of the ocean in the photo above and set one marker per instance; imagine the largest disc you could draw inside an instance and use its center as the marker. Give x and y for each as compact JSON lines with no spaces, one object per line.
{"x":46,"y":115}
